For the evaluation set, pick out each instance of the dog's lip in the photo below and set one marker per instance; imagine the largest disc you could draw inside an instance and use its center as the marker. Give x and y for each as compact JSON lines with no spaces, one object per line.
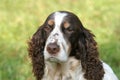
{"x":53,"y":59}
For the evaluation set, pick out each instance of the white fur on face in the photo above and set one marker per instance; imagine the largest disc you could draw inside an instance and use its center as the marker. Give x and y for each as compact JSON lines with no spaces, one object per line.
{"x":57,"y":35}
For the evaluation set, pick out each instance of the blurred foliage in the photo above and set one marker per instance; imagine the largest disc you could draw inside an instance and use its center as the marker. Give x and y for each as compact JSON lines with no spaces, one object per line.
{"x":19,"y":19}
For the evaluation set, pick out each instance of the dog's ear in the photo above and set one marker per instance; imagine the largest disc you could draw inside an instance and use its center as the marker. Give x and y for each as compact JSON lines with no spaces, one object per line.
{"x":35,"y":48}
{"x":89,"y":56}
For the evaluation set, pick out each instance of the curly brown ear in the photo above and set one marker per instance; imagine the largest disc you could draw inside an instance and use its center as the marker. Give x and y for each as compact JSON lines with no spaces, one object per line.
{"x":89,"y":56}
{"x":35,"y":49}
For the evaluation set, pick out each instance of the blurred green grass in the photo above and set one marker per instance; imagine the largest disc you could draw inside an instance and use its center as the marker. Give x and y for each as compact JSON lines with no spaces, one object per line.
{"x":19,"y":19}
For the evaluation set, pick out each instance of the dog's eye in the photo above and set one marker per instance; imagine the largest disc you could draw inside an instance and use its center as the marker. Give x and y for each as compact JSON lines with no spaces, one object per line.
{"x":69,"y":30}
{"x":51,"y":26}
{"x":48,"y":28}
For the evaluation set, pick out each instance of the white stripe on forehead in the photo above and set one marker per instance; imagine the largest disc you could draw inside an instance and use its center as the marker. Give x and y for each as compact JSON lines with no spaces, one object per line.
{"x":59,"y":17}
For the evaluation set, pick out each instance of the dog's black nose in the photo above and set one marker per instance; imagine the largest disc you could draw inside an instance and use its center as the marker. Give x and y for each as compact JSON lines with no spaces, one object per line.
{"x":53,"y":48}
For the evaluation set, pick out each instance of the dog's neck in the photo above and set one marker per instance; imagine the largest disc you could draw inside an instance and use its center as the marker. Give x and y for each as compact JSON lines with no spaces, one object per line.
{"x":62,"y":71}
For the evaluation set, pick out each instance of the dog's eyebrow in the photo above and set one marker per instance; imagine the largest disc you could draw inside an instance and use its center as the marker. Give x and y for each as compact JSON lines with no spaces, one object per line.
{"x":66,"y":24}
{"x":51,"y":22}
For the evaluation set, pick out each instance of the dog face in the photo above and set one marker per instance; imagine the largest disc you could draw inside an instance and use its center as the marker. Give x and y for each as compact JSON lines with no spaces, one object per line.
{"x":62,"y":29}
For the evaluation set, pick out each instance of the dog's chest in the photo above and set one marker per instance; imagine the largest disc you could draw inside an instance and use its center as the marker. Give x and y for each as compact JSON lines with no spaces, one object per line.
{"x":71,"y":70}
{"x":59,"y":75}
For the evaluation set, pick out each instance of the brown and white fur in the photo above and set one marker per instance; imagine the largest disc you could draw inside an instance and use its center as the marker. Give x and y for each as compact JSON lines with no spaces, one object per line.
{"x":62,"y":49}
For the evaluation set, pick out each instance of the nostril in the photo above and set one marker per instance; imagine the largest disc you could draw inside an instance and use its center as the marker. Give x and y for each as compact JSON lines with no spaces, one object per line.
{"x":53,"y":48}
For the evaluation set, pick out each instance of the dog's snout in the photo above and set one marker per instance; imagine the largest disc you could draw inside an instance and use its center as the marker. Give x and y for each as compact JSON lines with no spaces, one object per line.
{"x":53,"y":48}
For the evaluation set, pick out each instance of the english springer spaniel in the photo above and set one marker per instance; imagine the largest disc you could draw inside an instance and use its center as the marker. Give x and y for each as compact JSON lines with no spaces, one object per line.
{"x":63,"y":49}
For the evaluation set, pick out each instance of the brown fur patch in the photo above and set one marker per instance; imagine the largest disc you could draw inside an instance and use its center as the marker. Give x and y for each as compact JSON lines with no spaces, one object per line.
{"x":66,"y":24}
{"x":51,"y":22}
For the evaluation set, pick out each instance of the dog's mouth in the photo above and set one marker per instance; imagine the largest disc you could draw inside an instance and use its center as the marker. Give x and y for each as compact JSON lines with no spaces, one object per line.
{"x":53,"y":59}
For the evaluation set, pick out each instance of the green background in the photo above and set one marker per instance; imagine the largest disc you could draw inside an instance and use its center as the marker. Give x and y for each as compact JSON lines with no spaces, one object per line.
{"x":19,"y":19}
